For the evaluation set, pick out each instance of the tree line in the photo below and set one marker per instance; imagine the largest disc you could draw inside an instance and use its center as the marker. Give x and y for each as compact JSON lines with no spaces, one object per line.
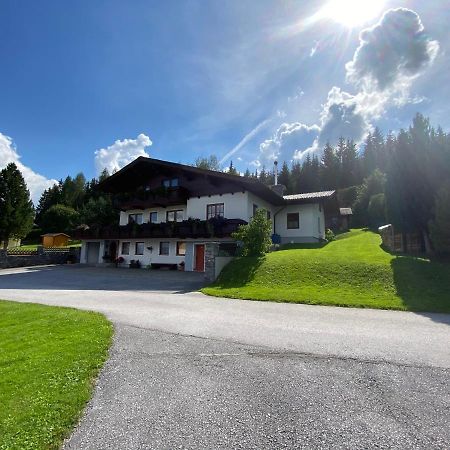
{"x":402,"y":178}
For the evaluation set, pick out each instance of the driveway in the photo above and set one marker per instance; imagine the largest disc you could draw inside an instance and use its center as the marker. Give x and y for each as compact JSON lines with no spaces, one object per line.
{"x":190,"y":371}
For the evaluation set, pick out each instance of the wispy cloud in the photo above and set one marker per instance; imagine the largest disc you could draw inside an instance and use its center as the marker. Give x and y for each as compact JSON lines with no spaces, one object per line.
{"x":249,"y":136}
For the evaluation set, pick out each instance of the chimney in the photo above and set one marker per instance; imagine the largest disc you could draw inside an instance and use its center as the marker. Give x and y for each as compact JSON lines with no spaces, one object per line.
{"x":275,"y":171}
{"x":277,"y":188}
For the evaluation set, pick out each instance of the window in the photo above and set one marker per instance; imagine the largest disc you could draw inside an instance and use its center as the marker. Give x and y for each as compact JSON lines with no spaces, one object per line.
{"x":214,"y":210}
{"x":135,"y":218}
{"x":153,"y":217}
{"x":125,"y":248}
{"x":164,"y":248}
{"x":139,"y":248}
{"x":181,"y":248}
{"x":293,"y":221}
{"x":173,"y":182}
{"x":255,"y":208}
{"x":174,"y":216}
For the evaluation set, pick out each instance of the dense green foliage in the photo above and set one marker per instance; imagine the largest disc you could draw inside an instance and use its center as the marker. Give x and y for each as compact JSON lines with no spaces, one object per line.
{"x":59,"y":218}
{"x":353,"y":270}
{"x":48,"y":360}
{"x":255,"y":236}
{"x":16,"y":207}
{"x":73,"y":202}
{"x":440,"y":225}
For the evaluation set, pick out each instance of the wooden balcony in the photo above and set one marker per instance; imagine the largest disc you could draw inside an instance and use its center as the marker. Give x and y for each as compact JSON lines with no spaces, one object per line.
{"x":188,"y":229}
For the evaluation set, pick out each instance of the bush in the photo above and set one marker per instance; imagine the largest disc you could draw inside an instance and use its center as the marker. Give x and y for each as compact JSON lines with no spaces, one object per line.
{"x":59,"y":219}
{"x":329,"y":235}
{"x":255,"y":236}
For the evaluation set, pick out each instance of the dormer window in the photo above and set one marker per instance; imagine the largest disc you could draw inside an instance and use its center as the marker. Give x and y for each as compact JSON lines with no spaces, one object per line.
{"x":172,"y":182}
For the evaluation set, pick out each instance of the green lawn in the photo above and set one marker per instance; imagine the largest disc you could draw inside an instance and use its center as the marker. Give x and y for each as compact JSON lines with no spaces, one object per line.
{"x":353,"y":271}
{"x":49,"y":358}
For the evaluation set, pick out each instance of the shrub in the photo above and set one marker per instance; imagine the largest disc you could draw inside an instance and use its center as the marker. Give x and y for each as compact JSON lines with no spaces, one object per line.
{"x":329,"y":235}
{"x":255,"y":236}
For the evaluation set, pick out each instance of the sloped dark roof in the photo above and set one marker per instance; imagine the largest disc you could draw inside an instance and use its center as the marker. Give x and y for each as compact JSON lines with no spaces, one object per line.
{"x":345,"y":211}
{"x":55,"y":234}
{"x":138,"y":172}
{"x":141,"y":169}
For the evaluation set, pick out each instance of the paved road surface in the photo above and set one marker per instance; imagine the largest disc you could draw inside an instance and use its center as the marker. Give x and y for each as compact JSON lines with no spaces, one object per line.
{"x":189,"y":371}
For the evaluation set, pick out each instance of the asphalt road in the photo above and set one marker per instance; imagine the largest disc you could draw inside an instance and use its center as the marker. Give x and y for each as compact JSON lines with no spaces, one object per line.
{"x":193,"y":372}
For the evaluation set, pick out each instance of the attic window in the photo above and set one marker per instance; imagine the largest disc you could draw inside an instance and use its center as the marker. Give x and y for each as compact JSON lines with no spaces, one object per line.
{"x":293,"y":221}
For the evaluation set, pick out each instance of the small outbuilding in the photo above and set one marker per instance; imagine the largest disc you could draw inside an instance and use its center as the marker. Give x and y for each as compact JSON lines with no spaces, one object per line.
{"x":55,"y":240}
{"x":346,"y":214}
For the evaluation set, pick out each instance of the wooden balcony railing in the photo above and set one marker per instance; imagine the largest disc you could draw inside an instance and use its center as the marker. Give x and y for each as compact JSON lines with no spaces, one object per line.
{"x":193,"y":229}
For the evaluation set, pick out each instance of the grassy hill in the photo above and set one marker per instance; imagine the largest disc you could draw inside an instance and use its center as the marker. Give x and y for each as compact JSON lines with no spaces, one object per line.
{"x":351,"y":271}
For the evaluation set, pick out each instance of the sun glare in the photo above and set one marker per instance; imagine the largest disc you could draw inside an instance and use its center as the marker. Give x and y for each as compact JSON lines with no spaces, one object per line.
{"x":351,"y":13}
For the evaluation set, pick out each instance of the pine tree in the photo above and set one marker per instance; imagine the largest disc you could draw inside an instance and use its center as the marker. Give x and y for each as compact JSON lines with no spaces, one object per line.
{"x":232,"y":170}
{"x":247,"y":173}
{"x":49,"y":197}
{"x":296,"y":173}
{"x":16,"y":207}
{"x":284,"y":176}
{"x":329,"y":169}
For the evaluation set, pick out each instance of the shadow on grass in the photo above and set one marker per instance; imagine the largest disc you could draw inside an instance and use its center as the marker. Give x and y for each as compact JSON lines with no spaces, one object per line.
{"x":239,"y":272}
{"x":423,"y":285}
{"x":304,"y":245}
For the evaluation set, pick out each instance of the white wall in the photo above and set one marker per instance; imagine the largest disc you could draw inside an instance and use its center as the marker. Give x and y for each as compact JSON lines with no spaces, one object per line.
{"x":254,"y":200}
{"x":235,"y":205}
{"x":309,"y":230}
{"x":151,"y":256}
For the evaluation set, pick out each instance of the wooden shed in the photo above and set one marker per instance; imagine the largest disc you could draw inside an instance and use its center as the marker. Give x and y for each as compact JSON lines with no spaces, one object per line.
{"x":55,"y":240}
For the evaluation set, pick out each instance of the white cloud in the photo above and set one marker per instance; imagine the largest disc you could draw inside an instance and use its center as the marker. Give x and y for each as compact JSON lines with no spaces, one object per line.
{"x":287,"y":140}
{"x":36,"y":183}
{"x":121,"y":153}
{"x":396,"y":49}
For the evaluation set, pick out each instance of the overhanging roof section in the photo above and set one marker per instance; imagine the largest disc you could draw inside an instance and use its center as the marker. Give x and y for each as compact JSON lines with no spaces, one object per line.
{"x":200,"y":181}
{"x":309,"y":197}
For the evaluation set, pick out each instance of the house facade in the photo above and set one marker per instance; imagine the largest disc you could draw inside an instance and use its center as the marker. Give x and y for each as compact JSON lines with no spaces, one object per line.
{"x":169,"y":212}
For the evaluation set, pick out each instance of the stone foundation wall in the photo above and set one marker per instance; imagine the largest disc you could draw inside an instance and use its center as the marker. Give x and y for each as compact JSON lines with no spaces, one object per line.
{"x":42,"y":258}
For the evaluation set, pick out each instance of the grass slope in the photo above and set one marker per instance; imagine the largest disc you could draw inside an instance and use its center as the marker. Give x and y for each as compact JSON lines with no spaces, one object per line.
{"x":351,"y":271}
{"x":48,"y":359}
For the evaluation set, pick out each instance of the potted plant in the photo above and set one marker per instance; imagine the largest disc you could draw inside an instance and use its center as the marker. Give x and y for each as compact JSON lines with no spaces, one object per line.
{"x":119,"y":260}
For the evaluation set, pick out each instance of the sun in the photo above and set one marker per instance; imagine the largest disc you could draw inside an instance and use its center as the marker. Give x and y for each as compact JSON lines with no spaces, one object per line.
{"x":351,"y":13}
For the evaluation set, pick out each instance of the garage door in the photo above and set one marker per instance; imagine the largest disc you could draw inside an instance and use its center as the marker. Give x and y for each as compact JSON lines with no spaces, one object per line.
{"x":93,"y":252}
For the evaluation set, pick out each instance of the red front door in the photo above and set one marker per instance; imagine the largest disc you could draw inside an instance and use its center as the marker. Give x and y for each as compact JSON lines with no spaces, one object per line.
{"x":199,"y":258}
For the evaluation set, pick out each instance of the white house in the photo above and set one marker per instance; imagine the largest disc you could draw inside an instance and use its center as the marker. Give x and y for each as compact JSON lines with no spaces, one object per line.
{"x":170,"y":211}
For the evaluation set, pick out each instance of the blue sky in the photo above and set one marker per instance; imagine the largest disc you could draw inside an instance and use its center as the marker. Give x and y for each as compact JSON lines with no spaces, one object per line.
{"x":254,"y":80}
